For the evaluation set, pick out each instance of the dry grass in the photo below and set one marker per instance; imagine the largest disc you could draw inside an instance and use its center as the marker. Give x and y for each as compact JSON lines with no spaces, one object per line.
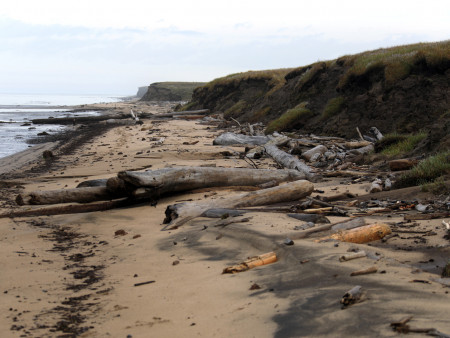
{"x":397,"y":62}
{"x":275,"y":77}
{"x":405,"y":144}
{"x":236,"y":109}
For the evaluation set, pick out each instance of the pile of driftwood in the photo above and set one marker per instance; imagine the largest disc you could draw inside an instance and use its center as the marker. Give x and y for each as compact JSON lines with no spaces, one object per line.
{"x":130,"y":187}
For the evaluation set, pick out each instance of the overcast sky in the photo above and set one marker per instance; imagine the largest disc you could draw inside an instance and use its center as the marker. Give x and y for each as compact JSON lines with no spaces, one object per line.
{"x":112,"y":47}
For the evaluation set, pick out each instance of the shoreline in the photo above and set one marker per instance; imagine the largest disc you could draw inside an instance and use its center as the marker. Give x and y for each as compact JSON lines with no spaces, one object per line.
{"x":80,"y":274}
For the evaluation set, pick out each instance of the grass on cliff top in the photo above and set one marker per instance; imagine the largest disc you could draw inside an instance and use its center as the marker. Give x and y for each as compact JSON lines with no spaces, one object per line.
{"x":397,"y":62}
{"x":275,"y":77}
{"x":289,"y":118}
{"x":427,"y":171}
{"x":183,"y":89}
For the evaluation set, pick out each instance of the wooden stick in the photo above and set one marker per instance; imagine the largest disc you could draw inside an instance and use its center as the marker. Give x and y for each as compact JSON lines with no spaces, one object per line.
{"x":372,"y":269}
{"x":353,"y":255}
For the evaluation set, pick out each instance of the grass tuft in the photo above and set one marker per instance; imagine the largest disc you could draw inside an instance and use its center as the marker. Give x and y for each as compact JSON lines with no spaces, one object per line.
{"x":236,"y":109}
{"x":404,"y":145}
{"x":427,"y":171}
{"x":290,"y":118}
{"x":333,"y":107}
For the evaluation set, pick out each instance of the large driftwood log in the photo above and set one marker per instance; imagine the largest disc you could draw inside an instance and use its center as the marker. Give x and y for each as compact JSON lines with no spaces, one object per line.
{"x":71,"y":208}
{"x":288,"y":161}
{"x":179,"y":214}
{"x":170,"y":180}
{"x":78,"y":195}
{"x":227,"y":139}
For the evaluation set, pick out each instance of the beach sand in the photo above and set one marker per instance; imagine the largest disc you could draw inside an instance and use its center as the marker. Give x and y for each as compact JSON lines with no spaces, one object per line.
{"x":75,"y":274}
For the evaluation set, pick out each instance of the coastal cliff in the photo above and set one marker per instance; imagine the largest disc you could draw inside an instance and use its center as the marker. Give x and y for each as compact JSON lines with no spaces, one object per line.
{"x":402,"y":89}
{"x":170,"y":91}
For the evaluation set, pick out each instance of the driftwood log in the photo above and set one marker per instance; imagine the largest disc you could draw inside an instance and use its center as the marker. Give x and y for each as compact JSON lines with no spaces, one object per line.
{"x":288,"y":161}
{"x":78,"y":195}
{"x":179,"y":214}
{"x":227,"y":139}
{"x":152,"y":184}
{"x":169,"y":180}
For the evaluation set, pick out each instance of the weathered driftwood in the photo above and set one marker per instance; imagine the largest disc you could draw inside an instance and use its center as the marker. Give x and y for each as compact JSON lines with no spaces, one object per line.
{"x":227,"y":139}
{"x":288,"y":161}
{"x":353,"y":255}
{"x":169,"y":180}
{"x":222,"y":213}
{"x":372,"y":269}
{"x":356,"y":144}
{"x":349,"y":224}
{"x":179,"y":113}
{"x":230,"y":220}
{"x":179,"y":214}
{"x":79,"y":119}
{"x":352,"y":296}
{"x":78,"y":195}
{"x":376,"y":133}
{"x":313,"y":154}
{"x":315,"y":218}
{"x":71,"y":208}
{"x":93,"y":183}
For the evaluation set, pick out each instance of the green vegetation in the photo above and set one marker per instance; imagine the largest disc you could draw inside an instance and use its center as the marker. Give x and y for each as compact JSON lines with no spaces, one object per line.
{"x":236,"y":109}
{"x":260,"y":114}
{"x":437,"y":187}
{"x":397,"y":62}
{"x":427,"y":171}
{"x":333,"y":107}
{"x":405,"y":143}
{"x":290,"y":118}
{"x":187,"y":106}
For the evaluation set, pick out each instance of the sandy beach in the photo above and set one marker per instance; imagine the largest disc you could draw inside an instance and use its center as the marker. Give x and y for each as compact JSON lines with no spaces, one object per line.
{"x":85,"y":274}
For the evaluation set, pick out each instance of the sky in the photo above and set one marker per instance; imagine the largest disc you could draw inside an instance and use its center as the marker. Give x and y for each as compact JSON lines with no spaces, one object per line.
{"x":113,"y":47}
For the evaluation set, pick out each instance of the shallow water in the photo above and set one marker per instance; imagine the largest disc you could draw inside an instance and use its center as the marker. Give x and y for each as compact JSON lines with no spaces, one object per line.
{"x":17,"y":111}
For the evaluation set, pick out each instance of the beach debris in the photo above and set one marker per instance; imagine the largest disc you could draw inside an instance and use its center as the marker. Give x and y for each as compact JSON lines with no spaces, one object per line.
{"x":376,"y":186}
{"x":179,"y":214}
{"x":307,"y":225}
{"x":120,"y":232}
{"x":255,"y":287}
{"x":446,"y":270}
{"x":374,"y":130}
{"x":313,"y":154}
{"x":230,"y":220}
{"x":353,"y":255}
{"x":288,"y":161}
{"x":402,"y":326}
{"x":349,"y":224}
{"x":227,"y":139}
{"x":312,"y":218}
{"x":288,"y":241}
{"x":252,"y":262}
{"x":144,"y":283}
{"x":47,"y":154}
{"x":176,"y":262}
{"x":372,"y":269}
{"x":222,"y":213}
{"x":364,"y":234}
{"x":353,"y":296}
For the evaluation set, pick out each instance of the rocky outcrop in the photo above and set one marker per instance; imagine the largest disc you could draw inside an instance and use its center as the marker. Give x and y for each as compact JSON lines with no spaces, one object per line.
{"x":141,"y":92}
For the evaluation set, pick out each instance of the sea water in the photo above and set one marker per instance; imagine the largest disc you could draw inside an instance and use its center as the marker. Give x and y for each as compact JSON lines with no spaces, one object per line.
{"x":17,"y":111}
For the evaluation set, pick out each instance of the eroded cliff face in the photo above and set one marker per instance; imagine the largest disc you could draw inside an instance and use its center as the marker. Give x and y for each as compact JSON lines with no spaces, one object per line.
{"x":339,"y":98}
{"x":170,"y":91}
